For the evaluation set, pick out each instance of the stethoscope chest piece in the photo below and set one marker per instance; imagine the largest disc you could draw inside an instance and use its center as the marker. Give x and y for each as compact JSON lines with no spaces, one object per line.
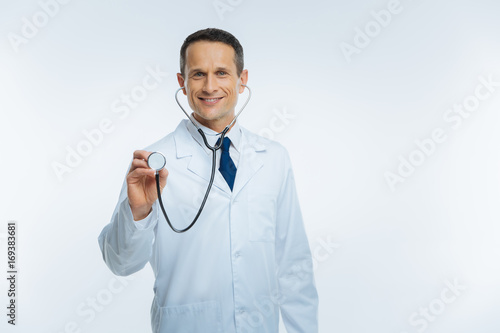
{"x":156,"y":161}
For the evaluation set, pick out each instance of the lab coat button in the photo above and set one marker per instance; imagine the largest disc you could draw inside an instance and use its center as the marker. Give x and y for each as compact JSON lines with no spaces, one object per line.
{"x":237,"y":254}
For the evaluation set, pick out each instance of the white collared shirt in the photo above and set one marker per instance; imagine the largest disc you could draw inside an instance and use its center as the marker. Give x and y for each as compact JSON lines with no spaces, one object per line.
{"x":234,"y":135}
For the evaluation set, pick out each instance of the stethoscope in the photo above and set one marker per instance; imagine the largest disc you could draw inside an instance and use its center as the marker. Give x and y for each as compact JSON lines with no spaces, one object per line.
{"x":157,"y":160}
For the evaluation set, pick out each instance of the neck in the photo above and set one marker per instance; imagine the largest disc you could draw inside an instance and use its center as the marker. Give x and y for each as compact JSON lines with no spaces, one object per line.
{"x":216,"y":125}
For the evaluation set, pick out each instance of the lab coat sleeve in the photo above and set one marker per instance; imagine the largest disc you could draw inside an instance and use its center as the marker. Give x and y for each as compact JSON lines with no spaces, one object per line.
{"x":298,"y":297}
{"x":126,"y":245}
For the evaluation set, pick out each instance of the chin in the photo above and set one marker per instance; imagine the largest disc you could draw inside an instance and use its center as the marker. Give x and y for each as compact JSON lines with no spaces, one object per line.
{"x":207,"y":116}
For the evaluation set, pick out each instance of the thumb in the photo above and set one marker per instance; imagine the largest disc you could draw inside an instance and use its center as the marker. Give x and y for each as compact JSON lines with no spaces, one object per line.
{"x":163,"y":177}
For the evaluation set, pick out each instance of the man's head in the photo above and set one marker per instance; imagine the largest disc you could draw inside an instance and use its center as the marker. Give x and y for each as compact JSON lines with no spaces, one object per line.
{"x":214,"y":35}
{"x":212,"y":75}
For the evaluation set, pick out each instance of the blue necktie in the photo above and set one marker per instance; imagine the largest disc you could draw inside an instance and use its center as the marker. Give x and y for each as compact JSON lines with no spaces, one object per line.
{"x":227,"y":167}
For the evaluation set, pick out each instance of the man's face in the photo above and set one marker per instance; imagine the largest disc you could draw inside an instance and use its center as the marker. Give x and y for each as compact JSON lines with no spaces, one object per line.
{"x":211,"y":82}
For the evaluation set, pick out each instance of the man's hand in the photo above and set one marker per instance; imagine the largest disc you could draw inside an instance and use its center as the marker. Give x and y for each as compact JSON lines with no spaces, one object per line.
{"x":141,"y":185}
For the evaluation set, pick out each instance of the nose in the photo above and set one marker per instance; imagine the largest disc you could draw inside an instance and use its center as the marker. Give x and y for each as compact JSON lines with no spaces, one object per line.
{"x":210,"y":84}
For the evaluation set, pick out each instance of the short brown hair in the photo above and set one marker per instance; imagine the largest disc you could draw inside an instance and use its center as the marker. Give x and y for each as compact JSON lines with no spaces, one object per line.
{"x":214,"y":35}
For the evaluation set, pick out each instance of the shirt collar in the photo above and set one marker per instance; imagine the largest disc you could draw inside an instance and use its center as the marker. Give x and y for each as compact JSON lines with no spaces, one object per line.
{"x":234,"y":134}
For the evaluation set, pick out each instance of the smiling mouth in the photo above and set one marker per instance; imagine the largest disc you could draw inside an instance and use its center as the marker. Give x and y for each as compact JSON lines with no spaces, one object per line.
{"x":211,"y":100}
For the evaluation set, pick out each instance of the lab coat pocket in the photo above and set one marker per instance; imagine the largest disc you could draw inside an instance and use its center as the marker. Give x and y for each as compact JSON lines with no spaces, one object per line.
{"x":191,"y":318}
{"x":262,"y":217}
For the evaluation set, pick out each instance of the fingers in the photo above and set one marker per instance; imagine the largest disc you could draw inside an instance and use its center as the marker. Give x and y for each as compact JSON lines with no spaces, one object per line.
{"x":163,"y":173}
{"x":140,"y":160}
{"x":141,"y":154}
{"x":139,"y":173}
{"x":137,"y":163}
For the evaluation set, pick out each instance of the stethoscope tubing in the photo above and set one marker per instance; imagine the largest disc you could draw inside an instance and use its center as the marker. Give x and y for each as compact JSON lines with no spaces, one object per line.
{"x":157,"y":176}
{"x":214,"y":152}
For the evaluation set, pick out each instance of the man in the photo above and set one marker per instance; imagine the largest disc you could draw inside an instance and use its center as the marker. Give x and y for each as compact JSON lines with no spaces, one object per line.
{"x":247,"y":257}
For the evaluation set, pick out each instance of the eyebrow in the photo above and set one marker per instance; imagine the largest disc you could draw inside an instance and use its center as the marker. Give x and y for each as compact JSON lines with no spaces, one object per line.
{"x":194,"y":70}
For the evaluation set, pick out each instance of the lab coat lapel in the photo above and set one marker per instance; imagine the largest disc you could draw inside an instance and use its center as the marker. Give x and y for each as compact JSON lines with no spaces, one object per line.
{"x":201,"y":161}
{"x":250,"y":162}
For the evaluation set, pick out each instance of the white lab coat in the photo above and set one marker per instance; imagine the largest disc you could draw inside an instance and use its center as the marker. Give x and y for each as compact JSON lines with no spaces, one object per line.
{"x":245,"y":259}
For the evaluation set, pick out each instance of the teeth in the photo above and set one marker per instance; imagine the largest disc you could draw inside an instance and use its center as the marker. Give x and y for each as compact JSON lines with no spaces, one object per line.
{"x":210,"y":99}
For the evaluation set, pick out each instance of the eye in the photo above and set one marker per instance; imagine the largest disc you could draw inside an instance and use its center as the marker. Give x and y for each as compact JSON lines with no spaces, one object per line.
{"x":198,"y":74}
{"x":221,"y":73}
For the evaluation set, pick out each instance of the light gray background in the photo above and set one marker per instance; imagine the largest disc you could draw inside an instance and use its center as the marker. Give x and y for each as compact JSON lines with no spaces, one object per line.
{"x":391,"y":251}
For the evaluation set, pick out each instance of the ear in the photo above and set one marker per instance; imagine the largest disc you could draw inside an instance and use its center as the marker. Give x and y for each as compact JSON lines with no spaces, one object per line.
{"x":181,"y":81}
{"x":243,"y":79}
